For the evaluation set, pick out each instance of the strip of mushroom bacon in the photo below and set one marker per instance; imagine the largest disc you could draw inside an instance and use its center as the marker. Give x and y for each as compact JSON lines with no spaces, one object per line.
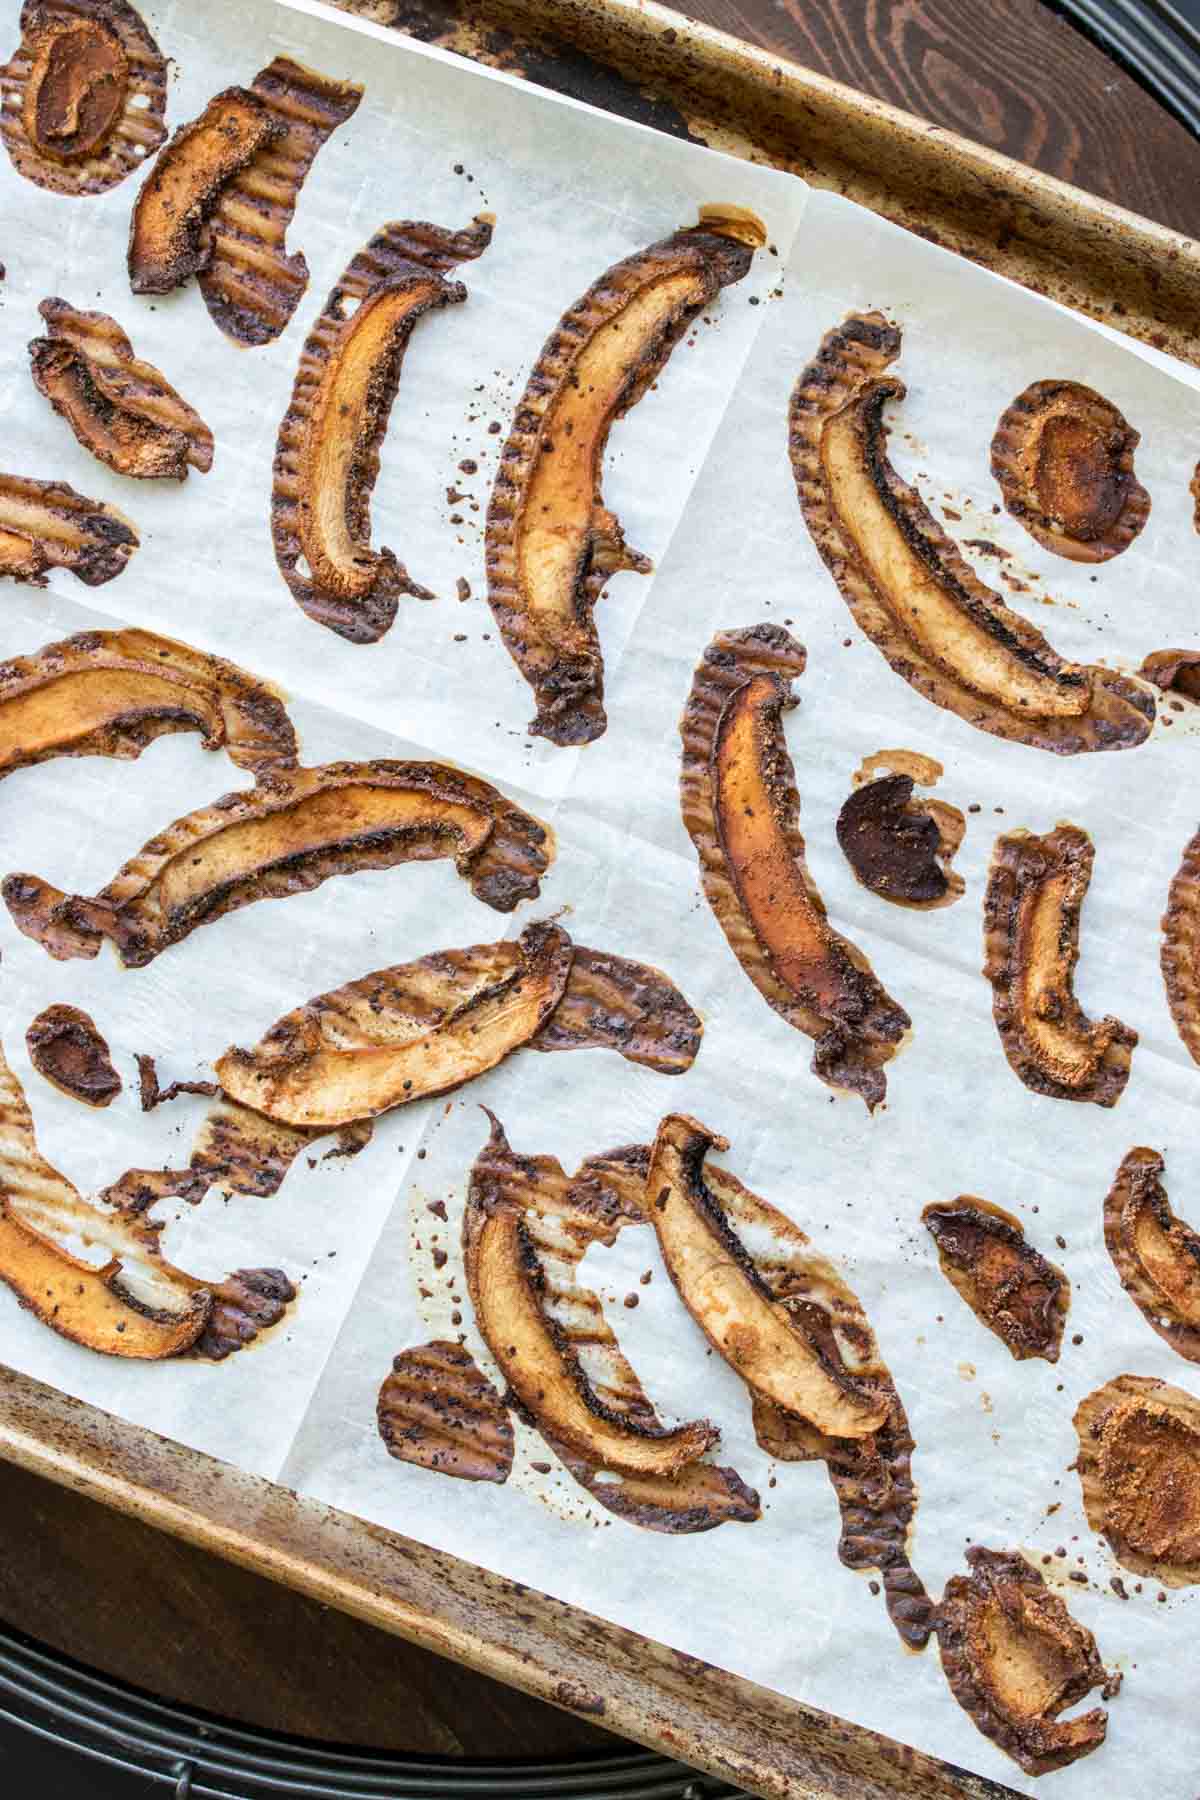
{"x":1156,"y":1254}
{"x":1035,"y":893}
{"x":327,"y":452}
{"x":46,"y":525}
{"x":110,"y":693}
{"x":135,"y":1304}
{"x":293,"y":831}
{"x":740,"y":806}
{"x":551,"y":542}
{"x":1063,"y":456}
{"x":1180,"y":949}
{"x":437,"y":1410}
{"x":119,"y":408}
{"x":84,"y":97}
{"x":1139,"y":1472}
{"x":919,"y":601}
{"x":1008,"y":1284}
{"x":68,"y":1050}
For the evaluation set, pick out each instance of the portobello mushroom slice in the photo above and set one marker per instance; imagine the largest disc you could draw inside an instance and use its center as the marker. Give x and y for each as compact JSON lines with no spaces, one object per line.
{"x":551,"y":542}
{"x":46,"y":525}
{"x":84,"y":98}
{"x":613,"y":1003}
{"x":740,"y":806}
{"x":1009,"y":1286}
{"x":1035,"y":893}
{"x":120,"y":408}
{"x":283,"y":837}
{"x":110,"y":693}
{"x":919,"y":601}
{"x":1156,"y":1254}
{"x":1016,"y":1659}
{"x":1179,"y":953}
{"x":327,"y":452}
{"x":900,"y":847}
{"x":1139,"y":1471}
{"x":1063,"y":456}
{"x":438,"y":1410}
{"x":516,"y":1310}
{"x":1174,"y":671}
{"x":68,"y":1050}
{"x":719,"y":1285}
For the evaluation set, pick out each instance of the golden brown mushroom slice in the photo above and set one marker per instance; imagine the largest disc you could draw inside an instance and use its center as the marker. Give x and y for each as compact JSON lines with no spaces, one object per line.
{"x":1139,"y":1469}
{"x":613,"y":1003}
{"x":119,"y":407}
{"x":68,"y":1049}
{"x":285,"y":836}
{"x":1179,"y":953}
{"x":1174,"y":671}
{"x":327,"y":452}
{"x":1035,"y":894}
{"x":734,"y":1307}
{"x":561,"y":1216}
{"x":552,"y":544}
{"x":1063,"y":456}
{"x":402,"y":1034}
{"x":1194,"y":490}
{"x":919,"y":601}
{"x":437,"y":1410}
{"x":46,"y":525}
{"x":900,"y":847}
{"x":1009,"y":1286}
{"x":1156,"y":1254}
{"x":1016,"y":1659}
{"x":110,"y":693}
{"x":84,"y":97}
{"x":740,"y":806}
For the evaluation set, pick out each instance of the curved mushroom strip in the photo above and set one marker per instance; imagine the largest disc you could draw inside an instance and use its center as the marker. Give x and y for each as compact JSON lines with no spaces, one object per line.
{"x":1139,"y":1469}
{"x":1194,"y":490}
{"x":1174,"y":671}
{"x":509,"y":1291}
{"x":403,"y":1034}
{"x":283,"y":837}
{"x":327,"y":452}
{"x":898,"y":846}
{"x":1063,"y":456}
{"x":110,"y":693}
{"x":560,"y":1218}
{"x":438,"y":1411}
{"x":911,"y":591}
{"x":552,"y":544}
{"x":1035,"y":893}
{"x":717,"y":1281}
{"x":120,"y":408}
{"x":46,"y":525}
{"x":67,"y":1049}
{"x":740,"y":806}
{"x":134,"y":1305}
{"x":1155,"y":1254}
{"x":84,"y":98}
{"x":1016,"y":1659}
{"x":1009,"y":1286}
{"x":615,"y":1004}
{"x":1179,"y":954}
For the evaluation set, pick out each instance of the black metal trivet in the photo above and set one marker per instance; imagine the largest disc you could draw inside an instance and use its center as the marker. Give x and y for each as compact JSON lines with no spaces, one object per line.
{"x":1155,"y":41}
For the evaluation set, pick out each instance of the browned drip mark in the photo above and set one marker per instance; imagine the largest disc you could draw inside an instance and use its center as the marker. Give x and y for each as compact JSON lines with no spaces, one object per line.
{"x":151,"y":1094}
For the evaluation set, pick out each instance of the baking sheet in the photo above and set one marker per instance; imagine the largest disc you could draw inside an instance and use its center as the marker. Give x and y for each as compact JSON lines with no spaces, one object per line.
{"x":573,"y":190}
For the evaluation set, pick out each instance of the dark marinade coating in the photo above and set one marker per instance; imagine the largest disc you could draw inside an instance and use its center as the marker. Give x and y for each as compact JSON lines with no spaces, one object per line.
{"x":66,"y":1046}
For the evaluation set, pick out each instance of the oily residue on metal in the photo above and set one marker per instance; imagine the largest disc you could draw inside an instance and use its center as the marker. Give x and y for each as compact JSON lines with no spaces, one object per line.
{"x":753,"y":869}
{"x":84,"y":97}
{"x":899,"y":847}
{"x":1035,"y":894}
{"x":46,"y":525}
{"x":613,"y":1003}
{"x":1063,"y":456}
{"x":1009,"y":1286}
{"x":1139,"y":1469}
{"x":437,"y":1410}
{"x":327,"y":451}
{"x":67,"y":1047}
{"x":1156,"y":1254}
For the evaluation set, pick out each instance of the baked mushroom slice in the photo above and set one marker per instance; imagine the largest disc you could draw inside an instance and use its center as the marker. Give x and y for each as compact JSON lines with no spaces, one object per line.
{"x":1156,"y":1254}
{"x":899,"y":847}
{"x":327,"y":451}
{"x":551,"y":543}
{"x":740,"y":806}
{"x":46,"y":525}
{"x":1009,"y":1286}
{"x":719,"y":1285}
{"x":1194,"y":490}
{"x":1016,"y":1659}
{"x":110,"y":693}
{"x":68,"y":1050}
{"x":613,"y":1003}
{"x":1174,"y":672}
{"x":119,"y":407}
{"x":84,"y":97}
{"x":1063,"y":456}
{"x":1179,"y":953}
{"x":917,"y":598}
{"x":1035,"y":893}
{"x":285,"y":836}
{"x":1139,"y":1469}
{"x":438,"y":1410}
{"x":402,"y":1034}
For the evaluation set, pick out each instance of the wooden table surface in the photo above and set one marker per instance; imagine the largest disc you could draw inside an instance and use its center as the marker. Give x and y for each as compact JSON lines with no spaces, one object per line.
{"x":123,"y":1598}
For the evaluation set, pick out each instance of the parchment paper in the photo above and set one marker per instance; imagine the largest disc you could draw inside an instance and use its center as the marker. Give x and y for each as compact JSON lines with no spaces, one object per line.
{"x":699,"y":475}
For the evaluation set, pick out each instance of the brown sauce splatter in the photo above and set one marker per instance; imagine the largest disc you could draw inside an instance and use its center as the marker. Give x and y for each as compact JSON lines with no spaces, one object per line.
{"x":1009,"y":1286}
{"x":151,"y":1094}
{"x":68,"y":1049}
